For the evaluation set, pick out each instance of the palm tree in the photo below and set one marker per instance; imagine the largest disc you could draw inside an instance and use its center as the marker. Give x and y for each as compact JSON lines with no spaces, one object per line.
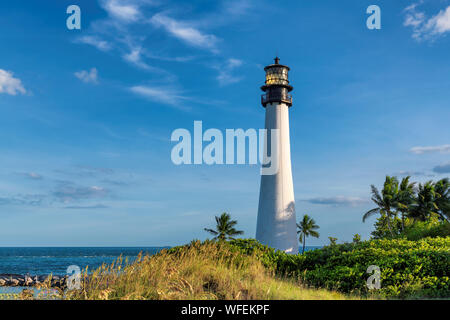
{"x":357,"y":238}
{"x":425,"y":205}
{"x":332,"y":241}
{"x":386,"y":201}
{"x":224,"y":228}
{"x":307,"y":227}
{"x":405,"y":198}
{"x":442,"y":189}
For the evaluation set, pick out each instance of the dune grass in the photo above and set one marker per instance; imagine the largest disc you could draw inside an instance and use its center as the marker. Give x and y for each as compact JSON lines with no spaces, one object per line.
{"x":197,"y":271}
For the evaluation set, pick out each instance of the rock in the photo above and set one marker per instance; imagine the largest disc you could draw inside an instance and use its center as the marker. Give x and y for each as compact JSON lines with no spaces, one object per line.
{"x":29,"y":281}
{"x":42,"y":278}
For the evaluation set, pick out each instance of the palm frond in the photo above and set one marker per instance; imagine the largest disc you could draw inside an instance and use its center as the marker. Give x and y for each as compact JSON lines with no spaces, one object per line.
{"x":370,"y":213}
{"x":214,"y":232}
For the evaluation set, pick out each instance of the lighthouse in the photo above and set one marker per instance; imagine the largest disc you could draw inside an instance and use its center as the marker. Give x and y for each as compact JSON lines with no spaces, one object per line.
{"x":276,"y":225}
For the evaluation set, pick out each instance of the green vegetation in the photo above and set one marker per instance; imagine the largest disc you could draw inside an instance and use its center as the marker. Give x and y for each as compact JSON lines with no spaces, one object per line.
{"x":410,"y":245}
{"x":10,"y":296}
{"x":409,"y":269}
{"x":332,"y":241}
{"x":386,"y":201}
{"x":407,"y":211}
{"x":246,"y":269}
{"x":224,"y":228}
{"x":307,"y":227}
{"x":422,"y":229}
{"x":208,"y":270}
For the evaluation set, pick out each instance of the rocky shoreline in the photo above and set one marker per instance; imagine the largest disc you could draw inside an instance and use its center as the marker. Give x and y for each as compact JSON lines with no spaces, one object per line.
{"x":17,"y":280}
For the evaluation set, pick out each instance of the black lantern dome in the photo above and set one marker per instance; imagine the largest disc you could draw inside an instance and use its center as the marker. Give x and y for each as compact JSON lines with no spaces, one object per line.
{"x":277,"y":86}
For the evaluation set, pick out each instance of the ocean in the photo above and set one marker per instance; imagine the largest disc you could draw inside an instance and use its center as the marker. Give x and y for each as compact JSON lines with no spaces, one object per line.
{"x":56,"y":260}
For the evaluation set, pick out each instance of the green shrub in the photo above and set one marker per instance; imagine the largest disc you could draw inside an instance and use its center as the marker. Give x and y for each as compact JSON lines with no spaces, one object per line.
{"x":408,"y":268}
{"x":382,"y":230}
{"x":275,"y":260}
{"x":207,"y":270}
{"x":424,"y":229}
{"x":357,"y":238}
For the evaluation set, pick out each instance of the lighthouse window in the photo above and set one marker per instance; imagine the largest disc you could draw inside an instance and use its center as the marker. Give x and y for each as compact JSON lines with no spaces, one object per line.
{"x":276,"y":76}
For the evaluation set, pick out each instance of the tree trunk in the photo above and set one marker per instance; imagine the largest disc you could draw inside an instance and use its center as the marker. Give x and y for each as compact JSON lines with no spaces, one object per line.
{"x":388,"y":215}
{"x":304,"y":239}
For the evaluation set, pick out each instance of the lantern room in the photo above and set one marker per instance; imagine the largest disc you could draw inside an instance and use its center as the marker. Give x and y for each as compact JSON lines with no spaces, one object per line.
{"x":277,"y":86}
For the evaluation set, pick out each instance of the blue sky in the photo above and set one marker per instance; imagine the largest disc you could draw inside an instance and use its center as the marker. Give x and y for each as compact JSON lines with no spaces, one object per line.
{"x":86,"y":115}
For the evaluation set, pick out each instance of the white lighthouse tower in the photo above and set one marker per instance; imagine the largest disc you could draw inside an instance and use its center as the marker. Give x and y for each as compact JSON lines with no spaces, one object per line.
{"x":276,"y":225}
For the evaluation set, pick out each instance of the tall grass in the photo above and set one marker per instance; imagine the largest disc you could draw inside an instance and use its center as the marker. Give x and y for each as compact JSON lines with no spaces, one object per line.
{"x":207,"y":270}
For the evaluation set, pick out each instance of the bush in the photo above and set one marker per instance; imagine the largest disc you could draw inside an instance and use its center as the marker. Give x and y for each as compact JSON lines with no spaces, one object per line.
{"x":424,"y":229}
{"x":382,"y":230}
{"x":200,"y":270}
{"x":408,"y":268}
{"x":277,"y":261}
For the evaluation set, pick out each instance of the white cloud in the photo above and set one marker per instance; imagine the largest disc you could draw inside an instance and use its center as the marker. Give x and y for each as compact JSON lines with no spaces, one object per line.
{"x":426,"y":28}
{"x":225,"y":72}
{"x":440,"y":23}
{"x":26,"y":200}
{"x":68,"y":191}
{"x":33,"y":175}
{"x":135,"y":57}
{"x":232,"y":63}
{"x":9,"y":84}
{"x":185,"y":32}
{"x":164,"y":95}
{"x":169,"y":58}
{"x":421,"y":150}
{"x":122,"y":10}
{"x":409,"y":173}
{"x":101,"y":45}
{"x":414,"y":19}
{"x":238,"y":7}
{"x":96,"y":206}
{"x":411,"y":7}
{"x":338,"y":201}
{"x":113,"y":33}
{"x":125,"y":31}
{"x":88,"y":76}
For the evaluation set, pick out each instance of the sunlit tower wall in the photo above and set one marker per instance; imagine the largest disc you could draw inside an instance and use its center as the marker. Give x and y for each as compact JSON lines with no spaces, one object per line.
{"x":276,"y":225}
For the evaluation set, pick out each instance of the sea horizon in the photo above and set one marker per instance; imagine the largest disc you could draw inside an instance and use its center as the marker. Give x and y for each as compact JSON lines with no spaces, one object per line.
{"x":56,"y":260}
